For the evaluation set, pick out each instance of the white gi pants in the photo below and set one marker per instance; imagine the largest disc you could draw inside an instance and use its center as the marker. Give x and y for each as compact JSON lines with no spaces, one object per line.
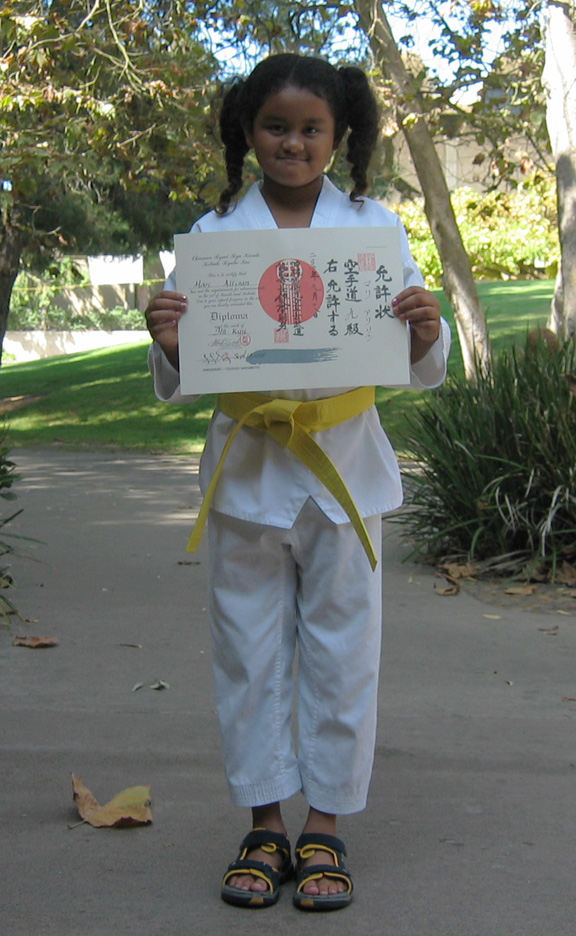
{"x":273,"y":590}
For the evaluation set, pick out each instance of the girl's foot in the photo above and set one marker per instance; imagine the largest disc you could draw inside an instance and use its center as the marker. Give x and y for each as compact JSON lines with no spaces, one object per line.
{"x":263,"y":864}
{"x":323,"y":883}
{"x":267,"y":817}
{"x":248,"y":882}
{"x":319,"y":823}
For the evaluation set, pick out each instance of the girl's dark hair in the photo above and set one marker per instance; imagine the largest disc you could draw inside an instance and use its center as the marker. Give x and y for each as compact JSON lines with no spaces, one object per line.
{"x":346,"y":91}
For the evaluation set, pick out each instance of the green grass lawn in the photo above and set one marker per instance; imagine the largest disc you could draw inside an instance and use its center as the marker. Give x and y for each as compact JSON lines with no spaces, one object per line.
{"x":104,"y":399}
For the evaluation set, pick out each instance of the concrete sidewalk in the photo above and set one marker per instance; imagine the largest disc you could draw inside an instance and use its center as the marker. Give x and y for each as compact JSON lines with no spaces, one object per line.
{"x":470,"y":828}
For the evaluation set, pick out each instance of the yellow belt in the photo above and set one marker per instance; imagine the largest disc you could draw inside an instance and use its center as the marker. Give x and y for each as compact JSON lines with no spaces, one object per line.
{"x":290,"y":423}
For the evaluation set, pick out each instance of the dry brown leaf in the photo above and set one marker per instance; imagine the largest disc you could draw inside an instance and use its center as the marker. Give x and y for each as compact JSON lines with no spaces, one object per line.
{"x":550,"y":630}
{"x":569,"y":592}
{"x":456,"y":570}
{"x":35,"y":643}
{"x":449,"y":592}
{"x":566,"y":575}
{"x":130,"y":807}
{"x":521,"y":590}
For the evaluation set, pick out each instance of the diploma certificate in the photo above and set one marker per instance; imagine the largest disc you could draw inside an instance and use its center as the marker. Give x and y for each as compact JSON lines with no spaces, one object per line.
{"x":292,"y":308}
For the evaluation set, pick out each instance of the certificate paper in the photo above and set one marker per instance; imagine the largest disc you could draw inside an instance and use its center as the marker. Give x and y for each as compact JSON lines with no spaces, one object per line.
{"x":293,"y":308}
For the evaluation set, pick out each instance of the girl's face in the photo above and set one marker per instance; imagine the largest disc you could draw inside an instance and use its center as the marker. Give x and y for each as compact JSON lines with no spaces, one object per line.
{"x":293,"y":138}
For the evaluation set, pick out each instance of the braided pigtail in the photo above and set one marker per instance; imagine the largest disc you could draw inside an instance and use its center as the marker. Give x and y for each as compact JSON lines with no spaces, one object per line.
{"x":235,"y":145}
{"x":362,"y":111}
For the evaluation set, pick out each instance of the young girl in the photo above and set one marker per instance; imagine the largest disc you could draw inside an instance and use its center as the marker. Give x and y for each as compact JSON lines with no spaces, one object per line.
{"x":287,"y":567}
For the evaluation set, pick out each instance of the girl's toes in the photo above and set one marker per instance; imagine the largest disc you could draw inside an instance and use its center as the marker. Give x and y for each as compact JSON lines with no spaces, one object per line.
{"x":248,"y":883}
{"x":311,"y":888}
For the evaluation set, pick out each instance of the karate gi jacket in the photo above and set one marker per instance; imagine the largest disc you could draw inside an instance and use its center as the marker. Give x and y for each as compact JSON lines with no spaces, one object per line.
{"x":262,"y":482}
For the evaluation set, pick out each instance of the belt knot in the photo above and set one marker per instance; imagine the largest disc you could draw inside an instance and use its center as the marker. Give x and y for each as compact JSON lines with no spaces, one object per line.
{"x":275,"y":412}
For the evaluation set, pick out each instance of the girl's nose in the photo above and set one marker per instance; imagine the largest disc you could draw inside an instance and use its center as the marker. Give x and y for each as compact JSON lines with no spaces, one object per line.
{"x":292,"y":142}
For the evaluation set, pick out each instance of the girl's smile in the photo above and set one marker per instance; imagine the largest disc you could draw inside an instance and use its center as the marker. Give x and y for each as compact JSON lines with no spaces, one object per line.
{"x":293,"y":139}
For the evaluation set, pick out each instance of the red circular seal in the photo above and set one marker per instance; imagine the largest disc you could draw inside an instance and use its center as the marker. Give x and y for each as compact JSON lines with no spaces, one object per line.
{"x":291,"y":291}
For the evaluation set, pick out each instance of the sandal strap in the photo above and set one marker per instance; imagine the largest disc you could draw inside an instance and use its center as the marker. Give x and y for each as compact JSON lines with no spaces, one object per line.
{"x":309,"y":843}
{"x":268,"y":841}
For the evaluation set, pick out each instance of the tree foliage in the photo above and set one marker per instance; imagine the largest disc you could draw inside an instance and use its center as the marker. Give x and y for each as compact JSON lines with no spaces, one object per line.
{"x":491,"y":54}
{"x":103,"y":103}
{"x":103,"y":145}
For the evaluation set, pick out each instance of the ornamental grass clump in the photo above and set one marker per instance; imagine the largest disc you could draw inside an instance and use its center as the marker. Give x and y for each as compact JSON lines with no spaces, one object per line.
{"x":7,"y":479}
{"x":494,"y":465}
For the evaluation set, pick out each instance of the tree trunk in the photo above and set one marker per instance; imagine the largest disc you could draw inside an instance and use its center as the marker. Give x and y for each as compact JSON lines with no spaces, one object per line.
{"x":559,"y":82}
{"x":11,"y":243}
{"x":458,"y":280}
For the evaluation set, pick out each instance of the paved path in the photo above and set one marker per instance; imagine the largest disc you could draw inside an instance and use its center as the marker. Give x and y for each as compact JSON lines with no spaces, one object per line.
{"x":470,"y":829}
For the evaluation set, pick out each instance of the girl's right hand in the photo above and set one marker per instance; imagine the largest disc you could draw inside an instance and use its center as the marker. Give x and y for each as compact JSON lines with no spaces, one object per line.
{"x":162,"y":316}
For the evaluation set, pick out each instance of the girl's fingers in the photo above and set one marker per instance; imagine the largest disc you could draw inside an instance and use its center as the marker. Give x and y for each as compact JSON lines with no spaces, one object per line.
{"x":162,"y":317}
{"x":165,"y":306}
{"x":421,"y":309}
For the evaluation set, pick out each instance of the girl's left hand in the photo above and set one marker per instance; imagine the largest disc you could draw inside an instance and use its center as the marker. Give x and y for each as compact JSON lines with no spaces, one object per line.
{"x":421,"y":309}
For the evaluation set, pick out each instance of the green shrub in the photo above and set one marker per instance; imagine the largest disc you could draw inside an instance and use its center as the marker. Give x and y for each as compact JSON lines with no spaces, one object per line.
{"x":34,"y":303}
{"x":507,"y":234}
{"x":495,"y":475}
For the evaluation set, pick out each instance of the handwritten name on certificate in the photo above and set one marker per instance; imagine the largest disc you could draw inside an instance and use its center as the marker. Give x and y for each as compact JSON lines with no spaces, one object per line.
{"x":290,"y":309}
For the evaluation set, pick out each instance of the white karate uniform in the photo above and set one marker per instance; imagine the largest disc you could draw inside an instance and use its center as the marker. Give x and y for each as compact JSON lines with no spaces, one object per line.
{"x":296,"y":574}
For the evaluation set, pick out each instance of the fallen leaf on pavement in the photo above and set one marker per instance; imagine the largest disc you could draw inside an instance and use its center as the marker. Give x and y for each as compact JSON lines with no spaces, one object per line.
{"x":521,"y":590}
{"x":450,"y":590}
{"x":459,"y":571}
{"x":566,"y":575}
{"x":550,"y":630}
{"x":34,"y":642}
{"x":570,"y":592}
{"x":160,"y":684}
{"x":131,"y":807}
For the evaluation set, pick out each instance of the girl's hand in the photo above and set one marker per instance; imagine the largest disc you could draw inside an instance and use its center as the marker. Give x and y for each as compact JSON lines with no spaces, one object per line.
{"x":162,"y":316}
{"x":421,"y":309}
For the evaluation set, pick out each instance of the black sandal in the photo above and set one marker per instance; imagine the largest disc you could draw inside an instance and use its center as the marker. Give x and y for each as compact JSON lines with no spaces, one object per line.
{"x":271,"y":842}
{"x":307,"y":846}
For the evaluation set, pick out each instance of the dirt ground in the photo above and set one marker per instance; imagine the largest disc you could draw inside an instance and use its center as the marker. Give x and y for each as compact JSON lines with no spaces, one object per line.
{"x":544,"y":598}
